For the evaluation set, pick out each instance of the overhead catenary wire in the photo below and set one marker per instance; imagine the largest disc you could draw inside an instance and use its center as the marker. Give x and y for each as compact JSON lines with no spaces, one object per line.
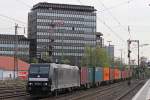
{"x":114,"y":16}
{"x":79,"y":1}
{"x":16,"y":20}
{"x":13,"y":19}
{"x":119,"y":23}
{"x":117,"y":5}
{"x":108,"y":27}
{"x":129,"y":31}
{"x":22,"y":2}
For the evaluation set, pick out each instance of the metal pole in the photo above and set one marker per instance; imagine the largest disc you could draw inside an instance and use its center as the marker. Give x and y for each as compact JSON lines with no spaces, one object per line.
{"x":121,"y":57}
{"x":15,"y":53}
{"x":138,"y":55}
{"x":129,"y":42}
{"x":138,"y":59}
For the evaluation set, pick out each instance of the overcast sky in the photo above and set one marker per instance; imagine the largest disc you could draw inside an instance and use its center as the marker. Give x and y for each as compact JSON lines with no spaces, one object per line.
{"x":113,"y":18}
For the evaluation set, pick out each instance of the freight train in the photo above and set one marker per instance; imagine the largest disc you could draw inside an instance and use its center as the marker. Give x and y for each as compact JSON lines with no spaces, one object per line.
{"x":50,"y":78}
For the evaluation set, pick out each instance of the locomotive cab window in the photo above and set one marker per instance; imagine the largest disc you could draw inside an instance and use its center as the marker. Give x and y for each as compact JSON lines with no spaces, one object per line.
{"x":34,"y":70}
{"x":43,"y":70}
{"x":39,"y":69}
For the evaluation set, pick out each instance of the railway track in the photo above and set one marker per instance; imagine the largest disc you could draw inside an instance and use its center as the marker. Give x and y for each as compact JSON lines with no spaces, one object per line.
{"x":71,"y":95}
{"x":130,"y":93}
{"x":99,"y":93}
{"x":107,"y":94}
{"x":12,"y":95}
{"x":12,"y":91}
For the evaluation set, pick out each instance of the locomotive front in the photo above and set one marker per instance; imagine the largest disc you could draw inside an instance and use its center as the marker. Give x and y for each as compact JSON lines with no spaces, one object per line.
{"x":39,"y":80}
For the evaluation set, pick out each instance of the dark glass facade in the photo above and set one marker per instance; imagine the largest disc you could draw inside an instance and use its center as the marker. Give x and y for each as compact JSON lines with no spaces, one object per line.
{"x":11,"y":44}
{"x":110,"y":51}
{"x":72,"y":27}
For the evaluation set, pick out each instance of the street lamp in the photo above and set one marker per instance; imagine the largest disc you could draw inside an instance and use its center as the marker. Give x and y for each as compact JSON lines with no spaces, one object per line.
{"x":109,"y":42}
{"x":143,"y":45}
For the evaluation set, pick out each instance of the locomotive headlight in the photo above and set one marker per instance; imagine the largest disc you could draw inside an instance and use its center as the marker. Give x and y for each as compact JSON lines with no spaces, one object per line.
{"x":45,"y":84}
{"x":30,"y":83}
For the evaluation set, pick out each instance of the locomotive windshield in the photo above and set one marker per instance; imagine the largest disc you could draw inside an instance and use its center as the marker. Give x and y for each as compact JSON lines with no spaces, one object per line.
{"x":39,"y":69}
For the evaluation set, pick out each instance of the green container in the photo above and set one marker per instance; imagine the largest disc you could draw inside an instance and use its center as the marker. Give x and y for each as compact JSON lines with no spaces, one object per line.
{"x":91,"y":74}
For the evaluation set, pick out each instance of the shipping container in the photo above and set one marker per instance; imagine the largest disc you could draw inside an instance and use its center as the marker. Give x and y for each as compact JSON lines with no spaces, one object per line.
{"x":127,"y":73}
{"x":98,"y":74}
{"x":123,"y":74}
{"x":111,"y":75}
{"x":105,"y":74}
{"x":83,"y":75}
{"x":90,"y":74}
{"x":116,"y":74}
{"x":119,"y":74}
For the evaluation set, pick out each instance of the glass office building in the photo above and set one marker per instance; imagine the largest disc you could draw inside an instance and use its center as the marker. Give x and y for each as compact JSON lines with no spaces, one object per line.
{"x":68,"y":28}
{"x":11,"y":45}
